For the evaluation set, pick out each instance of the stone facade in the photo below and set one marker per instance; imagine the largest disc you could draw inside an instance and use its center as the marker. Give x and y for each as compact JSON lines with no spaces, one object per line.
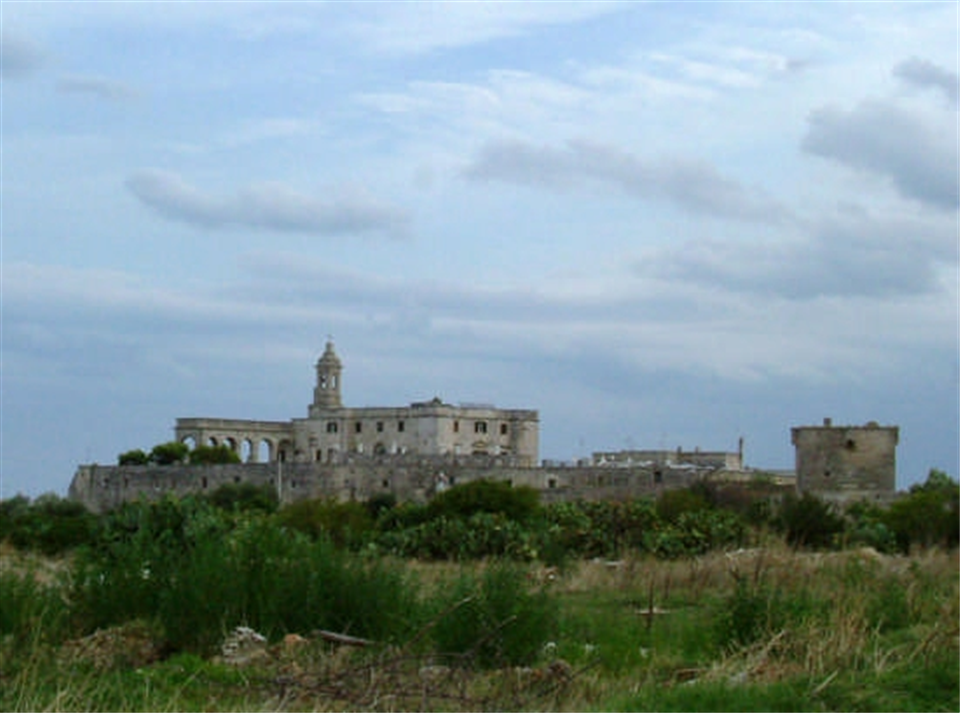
{"x":731,"y":461}
{"x":843,"y":463}
{"x":409,"y":477}
{"x":332,"y":432}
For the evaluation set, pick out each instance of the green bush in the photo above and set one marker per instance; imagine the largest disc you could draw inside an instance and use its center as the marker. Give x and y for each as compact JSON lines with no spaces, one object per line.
{"x":243,"y":497}
{"x":495,"y":621}
{"x":809,"y":522}
{"x":213,"y":455}
{"x":197,"y":573}
{"x":169,"y":453}
{"x":347,"y":524}
{"x":489,"y":496}
{"x":134,"y":457}
{"x":928,"y":515}
{"x":50,"y":524}
{"x":30,"y":612}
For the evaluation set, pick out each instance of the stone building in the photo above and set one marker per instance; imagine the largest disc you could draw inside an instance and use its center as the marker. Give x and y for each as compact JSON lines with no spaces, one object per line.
{"x":331,"y":431}
{"x":843,"y":463}
{"x":726,"y":460}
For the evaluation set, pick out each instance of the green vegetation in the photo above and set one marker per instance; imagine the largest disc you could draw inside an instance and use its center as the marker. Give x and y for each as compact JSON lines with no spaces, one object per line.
{"x":458,"y":604}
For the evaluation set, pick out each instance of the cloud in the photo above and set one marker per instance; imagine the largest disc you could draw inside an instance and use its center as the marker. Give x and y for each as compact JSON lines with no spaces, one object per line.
{"x":883,"y":138}
{"x":925,"y":74}
{"x":845,"y":256}
{"x":416,"y":28}
{"x":266,"y":206}
{"x":691,"y":184}
{"x":99,"y":87}
{"x":19,"y":56}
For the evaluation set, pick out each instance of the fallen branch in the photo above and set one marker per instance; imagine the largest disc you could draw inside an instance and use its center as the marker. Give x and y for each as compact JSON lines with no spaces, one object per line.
{"x":342,"y":638}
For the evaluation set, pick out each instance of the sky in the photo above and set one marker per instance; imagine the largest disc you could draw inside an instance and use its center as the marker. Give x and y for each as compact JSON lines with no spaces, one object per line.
{"x":659,"y":224}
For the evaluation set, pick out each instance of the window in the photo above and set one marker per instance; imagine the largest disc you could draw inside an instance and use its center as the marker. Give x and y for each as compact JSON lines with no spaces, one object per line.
{"x":657,"y":476}
{"x":319,"y":455}
{"x":385,"y":483}
{"x":480,"y":427}
{"x":456,"y":427}
{"x":850,"y":445}
{"x":551,"y":482}
{"x":379,"y":426}
{"x":358,"y":427}
{"x":503,"y":429}
{"x":399,"y":426}
{"x":331,"y":426}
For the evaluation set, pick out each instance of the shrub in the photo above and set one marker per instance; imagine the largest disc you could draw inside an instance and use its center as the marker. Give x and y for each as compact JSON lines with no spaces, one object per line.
{"x":490,"y":496}
{"x":169,"y":453}
{"x":347,"y":524}
{"x":673,"y":503}
{"x":134,"y":457}
{"x":212,"y":455}
{"x":808,"y":521}
{"x":30,"y":612}
{"x":495,"y":621}
{"x":928,"y":515}
{"x":50,"y":524}
{"x":244,"y":497}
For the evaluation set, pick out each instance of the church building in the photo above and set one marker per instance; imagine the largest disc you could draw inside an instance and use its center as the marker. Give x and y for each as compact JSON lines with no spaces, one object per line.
{"x":331,"y":432}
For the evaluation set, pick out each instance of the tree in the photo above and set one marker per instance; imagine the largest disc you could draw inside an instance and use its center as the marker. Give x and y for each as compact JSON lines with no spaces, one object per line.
{"x":134,"y":457}
{"x":928,"y":515}
{"x":169,"y":453}
{"x":808,"y":521}
{"x":210,"y":455}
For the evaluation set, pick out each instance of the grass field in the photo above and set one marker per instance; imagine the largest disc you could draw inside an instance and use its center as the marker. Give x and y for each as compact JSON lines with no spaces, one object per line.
{"x":760,"y":629}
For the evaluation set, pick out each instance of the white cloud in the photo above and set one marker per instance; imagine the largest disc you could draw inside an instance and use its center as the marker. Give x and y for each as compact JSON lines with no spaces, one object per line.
{"x":689,"y":183}
{"x":883,"y":138}
{"x":19,"y":56}
{"x":267,"y":206}
{"x":100,"y":87}
{"x":415,"y":28}
{"x":925,"y":74}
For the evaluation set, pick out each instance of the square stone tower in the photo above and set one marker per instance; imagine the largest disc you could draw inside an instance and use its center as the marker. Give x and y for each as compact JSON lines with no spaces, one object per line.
{"x":842,"y":463}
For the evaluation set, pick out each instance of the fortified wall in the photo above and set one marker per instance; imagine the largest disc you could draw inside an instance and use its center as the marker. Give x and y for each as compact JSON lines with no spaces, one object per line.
{"x":844,"y":463}
{"x":408,"y":477}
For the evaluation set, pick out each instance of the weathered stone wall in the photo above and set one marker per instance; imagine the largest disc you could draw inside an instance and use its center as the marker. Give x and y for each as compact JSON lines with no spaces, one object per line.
{"x":842,"y":463}
{"x":416,"y":478}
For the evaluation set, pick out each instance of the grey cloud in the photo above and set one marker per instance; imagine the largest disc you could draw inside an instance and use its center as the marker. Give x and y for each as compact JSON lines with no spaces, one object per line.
{"x":925,"y":74}
{"x":100,"y":87}
{"x":269,"y":206}
{"x":843,"y":256}
{"x":882,"y":138}
{"x":690,"y":184}
{"x":19,"y":56}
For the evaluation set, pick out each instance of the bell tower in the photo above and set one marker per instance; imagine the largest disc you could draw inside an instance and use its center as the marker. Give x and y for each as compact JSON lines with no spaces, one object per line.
{"x":326,"y":395}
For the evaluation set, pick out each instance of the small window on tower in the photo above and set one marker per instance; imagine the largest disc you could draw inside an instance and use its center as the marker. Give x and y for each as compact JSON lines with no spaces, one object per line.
{"x":480,"y":427}
{"x":456,"y":427}
{"x":358,"y":427}
{"x":504,"y":429}
{"x":400,"y":426}
{"x":379,"y":426}
{"x":331,"y":426}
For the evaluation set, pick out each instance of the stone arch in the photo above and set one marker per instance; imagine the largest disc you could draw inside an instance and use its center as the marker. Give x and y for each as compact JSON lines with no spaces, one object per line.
{"x":265,"y":451}
{"x":212,"y":441}
{"x":246,"y":451}
{"x":231,"y":443}
{"x":189,"y":441}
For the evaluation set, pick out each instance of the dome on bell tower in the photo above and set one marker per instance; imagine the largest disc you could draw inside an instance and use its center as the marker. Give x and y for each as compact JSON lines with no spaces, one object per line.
{"x":326,"y":395}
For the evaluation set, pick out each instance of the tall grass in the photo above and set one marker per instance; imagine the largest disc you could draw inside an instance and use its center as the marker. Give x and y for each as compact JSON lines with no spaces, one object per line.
{"x":258,"y":575}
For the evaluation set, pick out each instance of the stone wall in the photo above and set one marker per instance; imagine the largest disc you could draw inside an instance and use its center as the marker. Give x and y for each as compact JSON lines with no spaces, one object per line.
{"x":842,"y":463}
{"x":415,"y":478}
